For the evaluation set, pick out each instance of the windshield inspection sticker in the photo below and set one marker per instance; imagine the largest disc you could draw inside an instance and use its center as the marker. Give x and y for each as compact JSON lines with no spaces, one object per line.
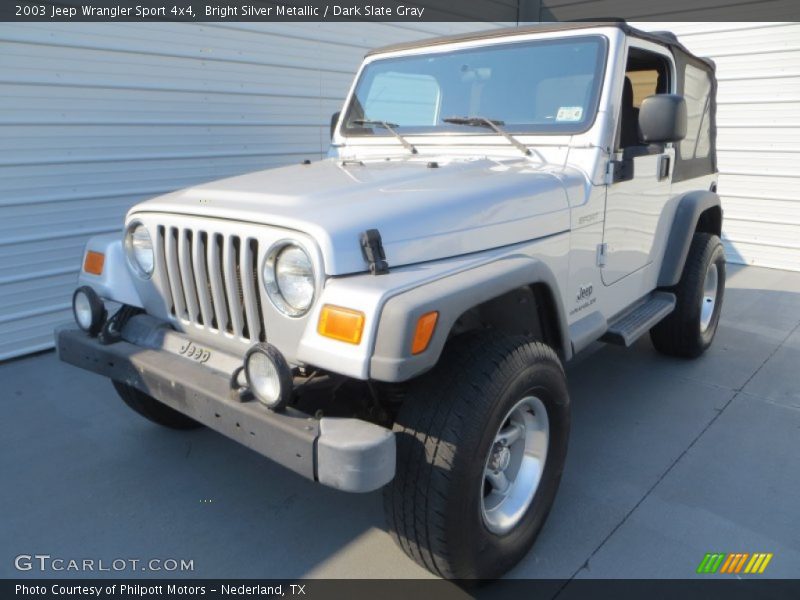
{"x":569,"y":113}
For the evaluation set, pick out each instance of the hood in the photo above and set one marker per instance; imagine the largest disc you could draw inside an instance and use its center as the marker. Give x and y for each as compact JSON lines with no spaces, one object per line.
{"x":422,"y":212}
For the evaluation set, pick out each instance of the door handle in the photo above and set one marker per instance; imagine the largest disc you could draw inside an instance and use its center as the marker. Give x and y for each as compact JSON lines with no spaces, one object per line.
{"x":663,"y":167}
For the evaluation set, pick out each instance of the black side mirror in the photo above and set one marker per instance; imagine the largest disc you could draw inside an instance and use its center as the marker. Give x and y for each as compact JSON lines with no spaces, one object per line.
{"x":662,"y":118}
{"x":334,"y":121}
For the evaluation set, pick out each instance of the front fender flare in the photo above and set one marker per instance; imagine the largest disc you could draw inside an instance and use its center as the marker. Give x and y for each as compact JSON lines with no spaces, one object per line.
{"x":452,"y":296}
{"x":115,"y":283}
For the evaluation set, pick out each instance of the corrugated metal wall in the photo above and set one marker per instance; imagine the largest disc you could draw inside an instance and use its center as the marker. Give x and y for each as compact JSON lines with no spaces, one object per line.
{"x":758,"y":138}
{"x":96,"y":117}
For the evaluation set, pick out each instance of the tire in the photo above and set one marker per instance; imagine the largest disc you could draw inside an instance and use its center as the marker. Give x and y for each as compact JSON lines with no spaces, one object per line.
{"x":153,"y":410}
{"x":689,"y":330}
{"x":445,"y":430}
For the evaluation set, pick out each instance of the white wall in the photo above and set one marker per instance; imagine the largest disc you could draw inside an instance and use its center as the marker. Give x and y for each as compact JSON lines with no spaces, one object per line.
{"x":95,"y":117}
{"x":758,"y":138}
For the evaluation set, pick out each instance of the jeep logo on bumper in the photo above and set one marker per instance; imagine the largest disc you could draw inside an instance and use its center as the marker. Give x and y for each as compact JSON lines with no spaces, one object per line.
{"x":189,"y":350}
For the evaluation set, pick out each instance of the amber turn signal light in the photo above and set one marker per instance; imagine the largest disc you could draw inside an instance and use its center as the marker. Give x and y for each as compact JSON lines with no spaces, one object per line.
{"x":424,"y":332}
{"x":343,"y":324}
{"x":93,"y":263}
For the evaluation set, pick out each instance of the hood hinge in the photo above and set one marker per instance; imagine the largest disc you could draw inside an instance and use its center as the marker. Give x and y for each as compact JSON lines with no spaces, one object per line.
{"x":372,"y":249}
{"x":602,"y":253}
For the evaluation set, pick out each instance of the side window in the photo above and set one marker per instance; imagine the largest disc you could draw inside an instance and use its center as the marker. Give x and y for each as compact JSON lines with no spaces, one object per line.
{"x":696,"y":91}
{"x":646,"y":73}
{"x":408,"y":98}
{"x":645,"y":83}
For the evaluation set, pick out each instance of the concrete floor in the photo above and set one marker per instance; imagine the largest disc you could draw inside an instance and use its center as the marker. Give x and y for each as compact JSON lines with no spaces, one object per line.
{"x":668,"y":460}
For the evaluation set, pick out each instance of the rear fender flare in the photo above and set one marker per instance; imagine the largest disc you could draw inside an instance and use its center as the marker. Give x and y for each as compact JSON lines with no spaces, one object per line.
{"x":687,"y":215}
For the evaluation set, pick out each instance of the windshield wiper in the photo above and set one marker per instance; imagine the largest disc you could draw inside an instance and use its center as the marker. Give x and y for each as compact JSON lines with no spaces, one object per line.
{"x":491,"y":124}
{"x":390,"y":127}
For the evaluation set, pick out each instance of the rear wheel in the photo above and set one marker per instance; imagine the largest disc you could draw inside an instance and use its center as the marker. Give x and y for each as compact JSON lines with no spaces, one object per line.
{"x":689,"y":330}
{"x":481,"y":443}
{"x":153,"y":410}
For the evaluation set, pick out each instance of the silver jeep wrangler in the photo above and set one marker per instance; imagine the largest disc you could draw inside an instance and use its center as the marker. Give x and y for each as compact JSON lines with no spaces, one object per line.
{"x":397,"y":315}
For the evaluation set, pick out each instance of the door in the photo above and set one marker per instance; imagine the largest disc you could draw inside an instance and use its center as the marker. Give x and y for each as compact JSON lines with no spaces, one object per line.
{"x":642,"y":173}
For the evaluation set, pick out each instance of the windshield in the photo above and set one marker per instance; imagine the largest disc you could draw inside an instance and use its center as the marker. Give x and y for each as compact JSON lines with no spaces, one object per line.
{"x":545,"y":86}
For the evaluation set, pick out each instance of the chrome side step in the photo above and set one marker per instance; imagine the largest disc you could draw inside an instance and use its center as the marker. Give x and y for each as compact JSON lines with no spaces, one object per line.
{"x":625,"y":329}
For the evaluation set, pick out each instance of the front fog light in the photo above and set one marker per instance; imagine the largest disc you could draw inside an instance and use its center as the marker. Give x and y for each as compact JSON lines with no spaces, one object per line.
{"x":88,"y":310}
{"x":268,"y":376}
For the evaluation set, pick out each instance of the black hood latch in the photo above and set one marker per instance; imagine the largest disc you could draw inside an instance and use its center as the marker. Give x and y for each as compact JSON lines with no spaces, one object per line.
{"x":372,"y":249}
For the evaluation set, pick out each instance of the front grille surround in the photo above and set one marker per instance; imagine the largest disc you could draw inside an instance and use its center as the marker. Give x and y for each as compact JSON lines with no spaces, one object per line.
{"x":213,"y":280}
{"x":208,"y":283}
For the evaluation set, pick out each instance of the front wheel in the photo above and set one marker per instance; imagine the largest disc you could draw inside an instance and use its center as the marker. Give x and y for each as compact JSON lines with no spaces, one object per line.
{"x":481,"y":443}
{"x":689,"y":330}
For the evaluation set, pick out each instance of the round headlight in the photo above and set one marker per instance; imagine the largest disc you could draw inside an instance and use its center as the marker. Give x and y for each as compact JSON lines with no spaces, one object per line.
{"x":88,"y":310}
{"x":289,"y":279}
{"x":139,"y":247}
{"x":268,"y":376}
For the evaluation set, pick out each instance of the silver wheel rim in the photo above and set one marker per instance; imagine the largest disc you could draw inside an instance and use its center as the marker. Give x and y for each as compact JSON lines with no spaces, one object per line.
{"x":709,"y":299}
{"x":514,"y":466}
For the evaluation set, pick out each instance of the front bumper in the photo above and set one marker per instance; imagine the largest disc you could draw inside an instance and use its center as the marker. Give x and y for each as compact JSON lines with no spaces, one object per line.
{"x":347,"y":454}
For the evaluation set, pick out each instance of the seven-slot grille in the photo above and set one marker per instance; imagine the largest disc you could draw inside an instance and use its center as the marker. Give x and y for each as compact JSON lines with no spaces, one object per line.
{"x":212,"y":280}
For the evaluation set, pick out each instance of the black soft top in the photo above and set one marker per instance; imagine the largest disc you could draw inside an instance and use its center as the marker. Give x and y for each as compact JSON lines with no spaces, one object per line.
{"x":665,"y":38}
